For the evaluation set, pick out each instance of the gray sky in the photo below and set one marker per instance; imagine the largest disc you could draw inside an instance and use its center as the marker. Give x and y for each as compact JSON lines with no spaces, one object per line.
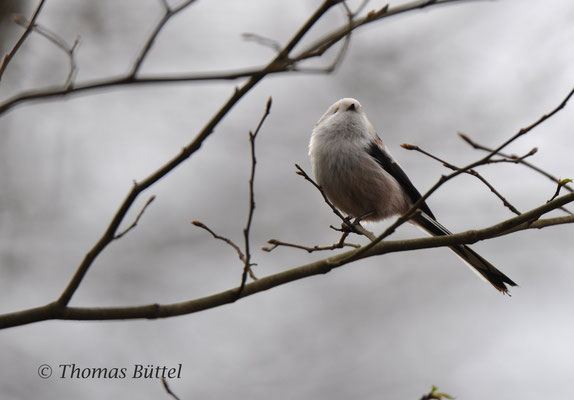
{"x":386,"y":327}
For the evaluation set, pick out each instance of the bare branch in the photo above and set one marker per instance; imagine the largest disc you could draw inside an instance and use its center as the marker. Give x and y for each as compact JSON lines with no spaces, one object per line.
{"x":245,"y":256}
{"x":520,"y":160}
{"x":560,"y":185}
{"x":8,"y":57}
{"x":472,"y":172}
{"x":319,"y":52}
{"x":355,"y":226}
{"x":330,"y":39}
{"x":527,"y":220}
{"x":185,"y":153}
{"x":262,"y":40}
{"x":252,"y":136}
{"x":59,"y":42}
{"x":222,"y":238}
{"x":445,"y":178}
{"x":133,"y":225}
{"x":527,"y":129}
{"x":513,"y":158}
{"x":283,"y":62}
{"x":301,"y":172}
{"x":168,"y":14}
{"x":310,"y":249}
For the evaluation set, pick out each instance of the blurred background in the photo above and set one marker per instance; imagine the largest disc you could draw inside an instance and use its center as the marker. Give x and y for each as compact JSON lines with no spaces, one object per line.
{"x":386,"y":327}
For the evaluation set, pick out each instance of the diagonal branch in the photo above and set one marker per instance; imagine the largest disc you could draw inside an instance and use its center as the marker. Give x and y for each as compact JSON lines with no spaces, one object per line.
{"x":355,"y":226}
{"x":222,"y":238}
{"x":445,"y":178}
{"x":58,"y":42}
{"x":472,"y":172}
{"x":528,"y":220}
{"x":283,"y":63}
{"x":134,"y":224}
{"x":185,"y":153}
{"x":8,"y":57}
{"x":168,"y":14}
{"x":513,"y":158}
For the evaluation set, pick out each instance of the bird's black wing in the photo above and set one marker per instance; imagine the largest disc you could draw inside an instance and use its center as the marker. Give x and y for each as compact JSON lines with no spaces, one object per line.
{"x":386,"y":161}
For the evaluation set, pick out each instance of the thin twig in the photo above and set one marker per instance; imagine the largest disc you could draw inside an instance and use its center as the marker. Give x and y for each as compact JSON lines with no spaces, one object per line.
{"x":310,"y":249}
{"x":360,"y":8}
{"x":320,"y":51}
{"x":355,"y":227}
{"x":519,"y":160}
{"x":283,"y":63}
{"x":133,"y":225}
{"x":53,"y":310}
{"x":59,"y":42}
{"x":167,"y":388}
{"x":262,"y":40}
{"x":185,"y":153}
{"x":472,"y":172}
{"x":527,"y":129}
{"x":376,"y":15}
{"x":560,"y":185}
{"x":514,"y":158}
{"x":252,"y":136}
{"x":8,"y":57}
{"x":222,"y":238}
{"x":445,"y":178}
{"x":245,"y":255}
{"x":168,"y":14}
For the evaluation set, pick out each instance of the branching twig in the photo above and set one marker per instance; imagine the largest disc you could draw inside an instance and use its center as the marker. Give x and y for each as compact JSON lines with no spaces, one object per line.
{"x":472,"y":172}
{"x":310,"y":249}
{"x":347,"y":225}
{"x":185,"y":153}
{"x":245,"y":255}
{"x":320,"y":51}
{"x":222,"y":238}
{"x":59,"y":42}
{"x":527,"y":220}
{"x":283,"y":63}
{"x":252,"y":136}
{"x":328,"y":40}
{"x":168,"y":14}
{"x":443,"y":179}
{"x":518,"y":160}
{"x":355,"y":227}
{"x":133,"y":225}
{"x":8,"y":57}
{"x":560,"y":185}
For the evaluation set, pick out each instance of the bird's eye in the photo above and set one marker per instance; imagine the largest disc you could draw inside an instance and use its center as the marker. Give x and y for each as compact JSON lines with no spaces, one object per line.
{"x":335,"y":110}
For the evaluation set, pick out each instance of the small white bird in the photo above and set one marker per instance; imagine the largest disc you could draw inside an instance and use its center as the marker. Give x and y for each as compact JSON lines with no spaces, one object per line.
{"x":362,"y":179}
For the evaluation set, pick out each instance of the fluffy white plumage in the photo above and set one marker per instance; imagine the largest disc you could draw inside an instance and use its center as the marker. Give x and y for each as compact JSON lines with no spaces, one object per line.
{"x":351,"y":178}
{"x":361,"y":178}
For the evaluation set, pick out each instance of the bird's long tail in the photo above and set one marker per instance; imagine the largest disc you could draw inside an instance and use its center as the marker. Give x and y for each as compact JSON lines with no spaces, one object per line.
{"x":478,"y":264}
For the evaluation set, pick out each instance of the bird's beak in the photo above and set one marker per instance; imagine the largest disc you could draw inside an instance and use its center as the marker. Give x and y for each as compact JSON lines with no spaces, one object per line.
{"x":352,"y":107}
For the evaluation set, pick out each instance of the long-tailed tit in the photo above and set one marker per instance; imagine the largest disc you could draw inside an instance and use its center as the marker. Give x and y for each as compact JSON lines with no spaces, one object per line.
{"x":361,"y":178}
